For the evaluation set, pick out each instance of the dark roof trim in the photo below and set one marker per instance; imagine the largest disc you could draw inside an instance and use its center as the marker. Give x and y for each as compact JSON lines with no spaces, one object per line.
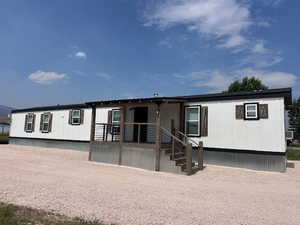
{"x":286,"y":93}
{"x":51,"y":108}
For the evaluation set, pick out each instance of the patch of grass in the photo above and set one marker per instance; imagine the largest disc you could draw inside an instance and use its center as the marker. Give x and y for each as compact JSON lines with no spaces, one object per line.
{"x":4,"y":137}
{"x":293,"y":155}
{"x":295,"y":144}
{"x":19,"y":215}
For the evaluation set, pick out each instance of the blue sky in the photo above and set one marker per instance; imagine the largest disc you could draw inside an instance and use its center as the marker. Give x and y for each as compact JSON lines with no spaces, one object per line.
{"x":73,"y":51}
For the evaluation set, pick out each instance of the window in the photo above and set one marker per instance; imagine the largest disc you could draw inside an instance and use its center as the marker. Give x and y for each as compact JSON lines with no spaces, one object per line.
{"x":45,"y":125}
{"x":251,"y":111}
{"x":116,"y":118}
{"x":29,"y":122}
{"x":192,"y":121}
{"x":76,"y":117}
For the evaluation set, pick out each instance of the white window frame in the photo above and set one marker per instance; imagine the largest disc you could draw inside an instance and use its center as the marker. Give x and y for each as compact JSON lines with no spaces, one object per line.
{"x":29,"y":115}
{"x":115,"y":129}
{"x":256,"y":117}
{"x":76,"y":117}
{"x":43,"y":122}
{"x":112,"y":115}
{"x":186,"y":121}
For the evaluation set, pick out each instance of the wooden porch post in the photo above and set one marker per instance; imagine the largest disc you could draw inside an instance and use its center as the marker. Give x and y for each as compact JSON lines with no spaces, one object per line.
{"x":93,"y":126}
{"x":122,"y":132}
{"x":158,"y":138}
{"x":181,"y":117}
{"x":189,"y":149}
{"x":200,"y":156}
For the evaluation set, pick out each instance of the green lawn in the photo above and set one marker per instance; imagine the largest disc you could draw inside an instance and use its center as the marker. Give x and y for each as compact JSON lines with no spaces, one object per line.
{"x":18,"y":215}
{"x":293,"y":155}
{"x":295,"y":145}
{"x":3,"y":137}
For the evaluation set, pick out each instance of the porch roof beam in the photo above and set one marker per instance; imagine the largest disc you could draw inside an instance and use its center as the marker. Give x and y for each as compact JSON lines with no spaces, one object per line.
{"x":127,"y":102}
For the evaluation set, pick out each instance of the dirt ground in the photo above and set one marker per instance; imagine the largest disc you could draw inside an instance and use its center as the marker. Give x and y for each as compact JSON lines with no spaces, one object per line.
{"x":65,"y":182}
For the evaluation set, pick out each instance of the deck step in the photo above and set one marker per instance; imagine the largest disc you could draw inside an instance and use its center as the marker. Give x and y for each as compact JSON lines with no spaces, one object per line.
{"x":180,"y":160}
{"x":183,"y":166}
{"x":177,"y":155}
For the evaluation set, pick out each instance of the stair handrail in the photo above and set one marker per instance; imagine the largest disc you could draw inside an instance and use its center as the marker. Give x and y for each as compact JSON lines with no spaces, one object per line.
{"x":187,"y":138}
{"x":172,"y":136}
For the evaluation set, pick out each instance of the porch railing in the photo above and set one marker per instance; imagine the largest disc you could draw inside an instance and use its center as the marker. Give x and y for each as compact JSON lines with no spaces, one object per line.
{"x":146,"y":133}
{"x":133,"y":132}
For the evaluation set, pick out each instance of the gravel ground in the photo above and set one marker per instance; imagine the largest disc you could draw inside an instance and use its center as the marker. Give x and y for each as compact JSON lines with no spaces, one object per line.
{"x":63,"y":181}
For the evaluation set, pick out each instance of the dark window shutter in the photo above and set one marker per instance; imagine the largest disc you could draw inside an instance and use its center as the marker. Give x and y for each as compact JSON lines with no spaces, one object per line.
{"x":33,"y":123}
{"x":109,"y":117}
{"x":204,"y":121}
{"x":70,"y":117}
{"x":239,"y":112}
{"x":41,"y":122}
{"x":25,"y":125}
{"x":263,"y":111}
{"x":50,"y":122}
{"x":81,"y":116}
{"x":109,"y":121}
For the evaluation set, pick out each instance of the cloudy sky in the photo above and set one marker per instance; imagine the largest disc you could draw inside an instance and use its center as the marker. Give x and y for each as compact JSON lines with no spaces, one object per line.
{"x":73,"y":51}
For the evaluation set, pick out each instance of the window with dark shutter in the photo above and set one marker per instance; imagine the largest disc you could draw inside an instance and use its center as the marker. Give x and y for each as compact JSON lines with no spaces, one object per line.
{"x":76,"y":116}
{"x":29,"y":122}
{"x":46,"y":122}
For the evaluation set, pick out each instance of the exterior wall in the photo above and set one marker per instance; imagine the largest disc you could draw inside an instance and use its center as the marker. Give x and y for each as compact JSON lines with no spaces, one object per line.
{"x":225,"y":131}
{"x":61,"y":129}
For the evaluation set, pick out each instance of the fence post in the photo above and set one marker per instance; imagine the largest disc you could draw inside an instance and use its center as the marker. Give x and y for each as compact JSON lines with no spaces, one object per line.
{"x":189,"y":149}
{"x":93,"y":127}
{"x":158,"y":138}
{"x":200,"y":156}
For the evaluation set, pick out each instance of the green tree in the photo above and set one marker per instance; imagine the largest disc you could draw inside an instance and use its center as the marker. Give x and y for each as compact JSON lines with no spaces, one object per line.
{"x":246,"y":84}
{"x":294,"y":118}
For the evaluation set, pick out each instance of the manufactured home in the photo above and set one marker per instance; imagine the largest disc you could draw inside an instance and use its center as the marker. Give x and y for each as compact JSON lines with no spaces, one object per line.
{"x":172,"y":134}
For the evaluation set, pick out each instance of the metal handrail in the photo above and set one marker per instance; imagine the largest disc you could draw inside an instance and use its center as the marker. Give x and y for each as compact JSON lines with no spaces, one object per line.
{"x":187,"y":138}
{"x":172,"y":136}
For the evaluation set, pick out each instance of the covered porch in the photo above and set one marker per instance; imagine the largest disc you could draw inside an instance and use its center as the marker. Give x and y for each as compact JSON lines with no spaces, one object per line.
{"x":145,"y":133}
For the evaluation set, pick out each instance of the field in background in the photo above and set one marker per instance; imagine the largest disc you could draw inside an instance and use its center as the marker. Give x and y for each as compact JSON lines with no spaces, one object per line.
{"x":293,"y":154}
{"x":4,"y":138}
{"x":20,"y":215}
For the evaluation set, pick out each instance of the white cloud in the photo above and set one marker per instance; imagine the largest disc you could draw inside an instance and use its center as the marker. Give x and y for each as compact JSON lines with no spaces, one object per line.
{"x":105,"y":76}
{"x":80,"y":55}
{"x":263,"y":24}
{"x":273,"y":79}
{"x":217,"y":80}
{"x":225,"y":20}
{"x":259,"y":47}
{"x":273,"y":3}
{"x":261,"y":60}
{"x":42,"y":77}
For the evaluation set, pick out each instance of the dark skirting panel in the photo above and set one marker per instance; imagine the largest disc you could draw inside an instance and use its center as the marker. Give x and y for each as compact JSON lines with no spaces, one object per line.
{"x":264,"y":161}
{"x":48,"y":143}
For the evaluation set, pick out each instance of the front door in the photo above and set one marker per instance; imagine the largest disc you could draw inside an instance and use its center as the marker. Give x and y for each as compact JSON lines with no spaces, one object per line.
{"x":140,"y":116}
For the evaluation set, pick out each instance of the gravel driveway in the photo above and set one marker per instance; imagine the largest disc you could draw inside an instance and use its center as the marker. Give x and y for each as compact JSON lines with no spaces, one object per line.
{"x":64,"y":181}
